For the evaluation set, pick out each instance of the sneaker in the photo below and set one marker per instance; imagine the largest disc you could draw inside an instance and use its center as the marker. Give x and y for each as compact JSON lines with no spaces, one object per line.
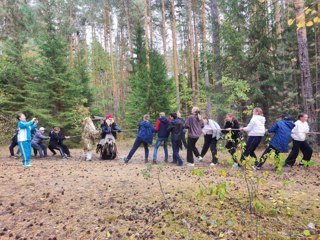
{"x":213,"y":164}
{"x":180,"y":164}
{"x":146,"y":161}
{"x":254,"y":168}
{"x":126,"y":160}
{"x":235,"y":166}
{"x":64,"y":158}
{"x":53,"y":154}
{"x":190,"y":164}
{"x":16,"y":156}
{"x":153,"y":162}
{"x":200,"y":158}
{"x":166,"y":160}
{"x":27,"y":165}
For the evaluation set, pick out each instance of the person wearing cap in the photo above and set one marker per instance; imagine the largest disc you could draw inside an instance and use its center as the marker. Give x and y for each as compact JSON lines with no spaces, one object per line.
{"x":24,"y":137}
{"x":280,"y":141}
{"x":37,"y":144}
{"x":109,"y":126}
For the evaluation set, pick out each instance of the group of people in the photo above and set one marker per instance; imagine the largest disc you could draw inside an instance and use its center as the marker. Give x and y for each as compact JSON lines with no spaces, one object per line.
{"x":28,"y":137}
{"x":174,"y":125}
{"x":196,"y":125}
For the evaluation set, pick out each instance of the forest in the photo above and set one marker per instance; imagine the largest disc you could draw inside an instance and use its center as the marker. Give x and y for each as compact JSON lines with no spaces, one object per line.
{"x":63,"y":60}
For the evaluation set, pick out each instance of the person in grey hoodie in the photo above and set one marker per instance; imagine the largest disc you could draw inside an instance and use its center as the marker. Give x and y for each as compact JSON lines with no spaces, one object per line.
{"x":194,"y":124}
{"x":37,"y":144}
{"x":256,"y":130}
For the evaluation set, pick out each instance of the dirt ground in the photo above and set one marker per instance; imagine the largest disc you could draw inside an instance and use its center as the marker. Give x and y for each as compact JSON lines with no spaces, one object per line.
{"x":75,"y":199}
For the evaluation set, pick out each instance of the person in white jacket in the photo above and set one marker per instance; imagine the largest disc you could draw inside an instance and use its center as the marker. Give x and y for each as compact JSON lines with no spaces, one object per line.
{"x":256,"y":130}
{"x":212,"y":133}
{"x":299,"y":141}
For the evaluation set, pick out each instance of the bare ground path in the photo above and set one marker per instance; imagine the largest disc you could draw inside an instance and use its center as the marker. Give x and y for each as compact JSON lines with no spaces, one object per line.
{"x":75,"y":199}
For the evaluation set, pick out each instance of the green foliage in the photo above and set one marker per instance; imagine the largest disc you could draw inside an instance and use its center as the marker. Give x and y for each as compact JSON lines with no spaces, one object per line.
{"x":151,"y":91}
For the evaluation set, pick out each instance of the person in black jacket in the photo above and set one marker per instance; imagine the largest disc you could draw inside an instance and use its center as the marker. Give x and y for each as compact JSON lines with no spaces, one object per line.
{"x":14,"y":143}
{"x":56,"y":142}
{"x":232,"y":143}
{"x":183,"y":140}
{"x":176,"y":127}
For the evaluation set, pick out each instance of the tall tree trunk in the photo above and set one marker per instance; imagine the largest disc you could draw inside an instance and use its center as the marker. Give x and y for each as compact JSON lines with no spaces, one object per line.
{"x":122,"y":68}
{"x":150,"y":24}
{"x":70,"y":34}
{"x":278,"y":19}
{"x":217,"y":55}
{"x":175,"y":53}
{"x":196,"y":53}
{"x":125,"y":2}
{"x":164,"y":33}
{"x":306,"y":84}
{"x":205,"y":61}
{"x":146,"y":3}
{"x":317,"y":32}
{"x":105,"y":39}
{"x":113,"y":80}
{"x":191,"y":52}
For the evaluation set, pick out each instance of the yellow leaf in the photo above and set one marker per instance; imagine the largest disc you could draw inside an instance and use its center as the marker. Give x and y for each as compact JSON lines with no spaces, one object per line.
{"x":307,"y":11}
{"x":261,"y":1}
{"x":223,"y":173}
{"x":301,"y":24}
{"x":316,"y":20}
{"x":290,"y":21}
{"x":314,"y":12}
{"x":309,"y":24}
{"x":221,"y":235}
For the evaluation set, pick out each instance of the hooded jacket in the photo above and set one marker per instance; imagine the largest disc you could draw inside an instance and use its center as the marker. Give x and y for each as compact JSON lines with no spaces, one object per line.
{"x":146,"y":131}
{"x":282,"y":134}
{"x":176,"y":127}
{"x":38,"y":137}
{"x":256,"y":126}
{"x":194,"y":126}
{"x":162,"y":127}
{"x":212,"y":128}
{"x":300,"y":131}
{"x":24,"y":130}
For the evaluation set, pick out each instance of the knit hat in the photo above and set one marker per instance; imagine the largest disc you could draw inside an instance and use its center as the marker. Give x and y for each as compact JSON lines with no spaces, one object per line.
{"x":108,"y":116}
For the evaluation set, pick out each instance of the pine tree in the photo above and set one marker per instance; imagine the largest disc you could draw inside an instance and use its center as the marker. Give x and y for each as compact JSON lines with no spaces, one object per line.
{"x":151,"y":92}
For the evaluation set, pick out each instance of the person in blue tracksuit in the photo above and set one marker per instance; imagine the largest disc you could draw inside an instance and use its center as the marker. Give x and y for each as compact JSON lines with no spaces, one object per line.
{"x":145,"y":136}
{"x":24,"y":137}
{"x":280,"y":141}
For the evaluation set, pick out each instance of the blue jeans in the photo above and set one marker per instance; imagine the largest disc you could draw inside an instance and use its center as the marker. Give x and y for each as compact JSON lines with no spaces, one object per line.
{"x":25,"y":149}
{"x":136,"y":145}
{"x":165,"y":147}
{"x":42,"y":149}
{"x":175,"y":149}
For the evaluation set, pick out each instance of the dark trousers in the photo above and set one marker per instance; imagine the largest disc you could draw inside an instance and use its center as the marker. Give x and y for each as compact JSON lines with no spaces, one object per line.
{"x":11,"y":148}
{"x":305,"y":149}
{"x":176,"y":144}
{"x":265,"y":156}
{"x":41,"y":148}
{"x":212,"y":143}
{"x":191,"y":148}
{"x":251,"y":145}
{"x":232,"y":148}
{"x":183,"y":140}
{"x":136,"y":145}
{"x":63,"y":149}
